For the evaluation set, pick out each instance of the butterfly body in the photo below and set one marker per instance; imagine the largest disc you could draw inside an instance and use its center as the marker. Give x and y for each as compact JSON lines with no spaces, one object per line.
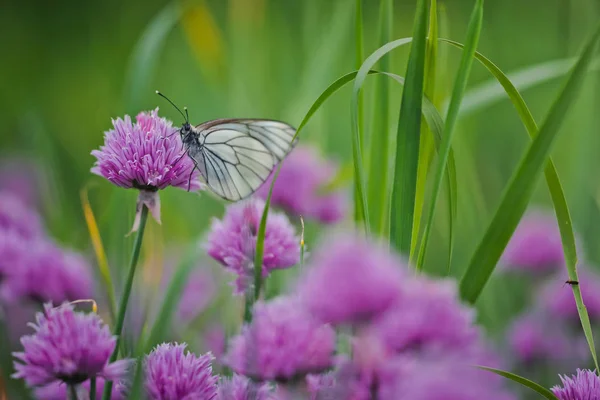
{"x":236,"y":156}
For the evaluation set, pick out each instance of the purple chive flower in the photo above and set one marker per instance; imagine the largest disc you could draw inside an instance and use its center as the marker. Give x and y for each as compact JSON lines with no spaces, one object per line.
{"x":557,"y":297}
{"x":300,"y":187}
{"x":241,"y":388}
{"x":147,"y":155}
{"x":583,"y":386}
{"x":215,"y":340}
{"x":537,"y":338}
{"x":59,"y":390}
{"x":16,"y":216}
{"x":535,"y":246}
{"x":351,"y":281}
{"x":13,"y":248}
{"x":197,"y":294}
{"x":283,"y":341}
{"x":413,"y":323}
{"x":174,"y":374}
{"x":67,"y":346}
{"x":232,"y":241}
{"x":433,"y":379}
{"x":20,"y":177}
{"x":48,"y":273}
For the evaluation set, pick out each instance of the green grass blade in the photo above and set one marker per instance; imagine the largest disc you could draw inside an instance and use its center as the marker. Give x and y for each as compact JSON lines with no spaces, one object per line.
{"x":426,"y":142}
{"x":554,"y":186}
{"x":147,"y":53}
{"x":523,"y":381}
{"x":460,"y":85}
{"x":379,"y":149}
{"x":516,"y":196}
{"x":409,"y":130}
{"x":361,"y":212}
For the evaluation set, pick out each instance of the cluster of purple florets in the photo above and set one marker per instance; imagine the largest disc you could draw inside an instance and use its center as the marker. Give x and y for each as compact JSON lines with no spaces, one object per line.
{"x":357,"y":324}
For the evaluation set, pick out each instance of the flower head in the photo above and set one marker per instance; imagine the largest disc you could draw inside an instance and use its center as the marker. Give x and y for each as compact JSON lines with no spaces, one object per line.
{"x":147,"y":155}
{"x":351,"y":281}
{"x":283,"y":341}
{"x":535,"y":338}
{"x":535,"y":246}
{"x":299,"y":188}
{"x":49,"y":273}
{"x":67,"y":346}
{"x":557,"y":298}
{"x":13,"y":249}
{"x":14,"y":215}
{"x":241,"y":388}
{"x":413,"y":323}
{"x":58,"y":391}
{"x":583,"y":386}
{"x":174,"y":374}
{"x":232,"y":241}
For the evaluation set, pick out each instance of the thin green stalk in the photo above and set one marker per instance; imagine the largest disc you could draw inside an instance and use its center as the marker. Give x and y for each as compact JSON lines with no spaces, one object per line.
{"x":408,"y":137}
{"x":460,"y":85}
{"x":359,"y":201}
{"x":72,"y":392}
{"x":137,"y":245}
{"x":379,"y":148}
{"x":93,"y":388}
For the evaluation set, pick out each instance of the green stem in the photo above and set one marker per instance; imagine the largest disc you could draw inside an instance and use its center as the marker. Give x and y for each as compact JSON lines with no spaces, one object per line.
{"x":137,"y":245}
{"x":93,"y":389}
{"x":249,"y":302}
{"x":73,"y":392}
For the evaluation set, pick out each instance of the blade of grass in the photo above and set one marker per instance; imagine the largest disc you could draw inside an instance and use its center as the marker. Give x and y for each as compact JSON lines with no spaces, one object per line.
{"x":523,"y":381}
{"x":147,"y":53}
{"x":426,"y":144}
{"x":361,"y":212}
{"x":516,"y":197}
{"x":379,"y":146}
{"x":90,"y":220}
{"x":460,"y":85}
{"x":552,"y":181}
{"x":408,"y":136}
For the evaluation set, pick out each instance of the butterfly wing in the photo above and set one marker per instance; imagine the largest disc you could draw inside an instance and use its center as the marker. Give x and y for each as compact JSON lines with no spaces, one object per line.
{"x":238,"y":155}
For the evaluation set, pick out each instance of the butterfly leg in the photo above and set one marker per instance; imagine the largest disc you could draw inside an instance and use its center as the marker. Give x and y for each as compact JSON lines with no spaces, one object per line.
{"x":190,"y":178}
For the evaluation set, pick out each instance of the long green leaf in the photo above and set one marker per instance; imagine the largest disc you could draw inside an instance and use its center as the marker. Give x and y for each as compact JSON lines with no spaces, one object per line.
{"x":460,"y":85}
{"x":409,"y":130}
{"x":519,"y":191}
{"x":379,"y":182}
{"x":554,"y":186}
{"x":361,"y":211}
{"x":147,"y":52}
{"x":523,"y":381}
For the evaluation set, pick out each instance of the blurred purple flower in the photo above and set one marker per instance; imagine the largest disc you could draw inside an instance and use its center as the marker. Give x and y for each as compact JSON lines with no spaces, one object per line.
{"x":13,"y":248}
{"x":174,"y":374}
{"x":283,"y":341}
{"x":557,"y":297}
{"x":20,"y":177}
{"x":535,"y":246}
{"x":58,"y":391}
{"x":300,"y":187}
{"x":536,"y":338}
{"x":232,"y":242}
{"x":69,"y":347}
{"x":583,"y":386}
{"x":145,"y":155}
{"x":48,"y":273}
{"x":351,"y":280}
{"x":434,"y":379}
{"x":215,"y":340}
{"x":16,"y":216}
{"x":413,"y":323}
{"x":197,"y":294}
{"x":241,"y":388}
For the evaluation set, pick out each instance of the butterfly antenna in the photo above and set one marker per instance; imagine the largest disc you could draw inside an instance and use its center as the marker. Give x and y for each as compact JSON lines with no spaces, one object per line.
{"x":173,"y":104}
{"x":187,"y":116}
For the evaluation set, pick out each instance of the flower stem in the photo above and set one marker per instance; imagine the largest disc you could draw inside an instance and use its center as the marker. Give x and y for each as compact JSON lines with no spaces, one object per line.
{"x":93,"y":388}
{"x":137,"y":245}
{"x":73,"y":392}
{"x":249,"y":302}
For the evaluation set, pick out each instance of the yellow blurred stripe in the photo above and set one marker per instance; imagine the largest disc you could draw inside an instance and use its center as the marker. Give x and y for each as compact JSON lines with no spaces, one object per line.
{"x":205,"y":38}
{"x":90,"y":220}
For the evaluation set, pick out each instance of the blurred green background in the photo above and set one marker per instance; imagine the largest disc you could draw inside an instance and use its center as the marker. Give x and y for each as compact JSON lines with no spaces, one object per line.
{"x":68,"y":67}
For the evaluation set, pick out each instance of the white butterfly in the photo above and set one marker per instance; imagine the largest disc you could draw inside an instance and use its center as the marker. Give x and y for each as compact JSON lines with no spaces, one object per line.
{"x":236,"y":156}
